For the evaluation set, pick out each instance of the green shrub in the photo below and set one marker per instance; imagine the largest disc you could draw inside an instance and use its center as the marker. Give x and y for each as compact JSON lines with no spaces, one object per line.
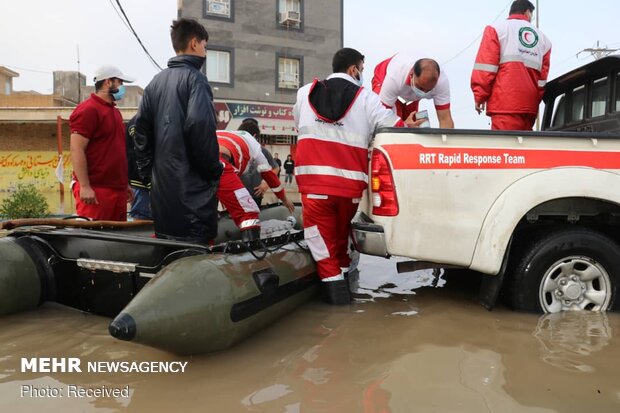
{"x":26,"y":202}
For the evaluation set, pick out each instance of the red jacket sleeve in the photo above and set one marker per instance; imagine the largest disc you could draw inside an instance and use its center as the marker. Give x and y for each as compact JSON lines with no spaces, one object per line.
{"x":544,"y":73}
{"x":486,"y":66}
{"x":274,"y":183}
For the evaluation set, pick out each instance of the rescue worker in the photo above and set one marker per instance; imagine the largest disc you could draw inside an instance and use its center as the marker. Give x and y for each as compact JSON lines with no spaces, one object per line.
{"x":511,"y":70}
{"x":237,"y":151}
{"x":336,"y":118}
{"x":252,"y":179}
{"x":403,"y":80}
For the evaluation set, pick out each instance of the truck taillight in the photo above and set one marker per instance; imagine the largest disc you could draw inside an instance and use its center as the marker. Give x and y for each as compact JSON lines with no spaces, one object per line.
{"x":384,"y":200}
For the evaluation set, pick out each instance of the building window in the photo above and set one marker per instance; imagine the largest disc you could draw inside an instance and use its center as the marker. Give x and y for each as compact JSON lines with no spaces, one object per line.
{"x":289,"y":13}
{"x":219,"y":9}
{"x":288,"y":73}
{"x":7,"y":87}
{"x":219,"y":66}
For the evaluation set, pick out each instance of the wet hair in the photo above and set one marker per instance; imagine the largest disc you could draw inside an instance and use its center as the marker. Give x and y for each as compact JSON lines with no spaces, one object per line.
{"x":183,"y":31}
{"x":521,"y":6}
{"x":251,"y":127}
{"x":344,"y":58}
{"x":422,"y":64}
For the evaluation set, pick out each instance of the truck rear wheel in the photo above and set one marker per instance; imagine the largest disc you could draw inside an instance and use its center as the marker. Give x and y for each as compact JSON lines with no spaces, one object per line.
{"x":571,"y":269}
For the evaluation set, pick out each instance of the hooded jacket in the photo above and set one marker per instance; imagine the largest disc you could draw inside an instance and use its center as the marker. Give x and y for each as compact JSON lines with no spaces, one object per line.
{"x":336,"y":119}
{"x":176,"y":149}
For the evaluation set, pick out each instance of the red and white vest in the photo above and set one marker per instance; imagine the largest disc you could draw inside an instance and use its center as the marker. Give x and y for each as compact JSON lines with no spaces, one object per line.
{"x":511,"y":67}
{"x":332,"y":154}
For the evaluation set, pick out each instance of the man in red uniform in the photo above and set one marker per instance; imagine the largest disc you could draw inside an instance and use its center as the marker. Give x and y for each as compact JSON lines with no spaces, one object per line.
{"x":336,"y":118}
{"x":100,"y":181}
{"x":511,"y":70}
{"x":237,"y":151}
{"x":404,"y":79}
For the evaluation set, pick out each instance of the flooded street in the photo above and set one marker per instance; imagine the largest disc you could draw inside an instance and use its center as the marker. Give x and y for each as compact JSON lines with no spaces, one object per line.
{"x":394,"y":350}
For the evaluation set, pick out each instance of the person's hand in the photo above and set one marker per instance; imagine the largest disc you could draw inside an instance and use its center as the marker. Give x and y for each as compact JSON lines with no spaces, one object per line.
{"x":130,"y":195}
{"x":289,"y":204}
{"x":87,"y":195}
{"x":261,"y":188}
{"x":481,"y":107}
{"x":412,"y":123}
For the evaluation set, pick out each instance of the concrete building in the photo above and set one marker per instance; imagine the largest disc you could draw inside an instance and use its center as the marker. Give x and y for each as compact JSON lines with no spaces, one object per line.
{"x":69,"y":85}
{"x":6,"y":80}
{"x":261,"y":51}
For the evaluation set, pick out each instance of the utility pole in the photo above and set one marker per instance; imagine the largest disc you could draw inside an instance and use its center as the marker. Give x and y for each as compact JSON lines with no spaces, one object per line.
{"x":78,"y":75}
{"x":598,"y":52}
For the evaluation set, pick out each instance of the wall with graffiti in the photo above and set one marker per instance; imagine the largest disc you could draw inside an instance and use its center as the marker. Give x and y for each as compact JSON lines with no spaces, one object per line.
{"x":40,"y":168}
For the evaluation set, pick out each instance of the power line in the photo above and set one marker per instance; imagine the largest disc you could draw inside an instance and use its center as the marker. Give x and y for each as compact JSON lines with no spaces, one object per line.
{"x":119,"y":15}
{"x":477,"y":37}
{"x":130,"y":27}
{"x":598,"y":52}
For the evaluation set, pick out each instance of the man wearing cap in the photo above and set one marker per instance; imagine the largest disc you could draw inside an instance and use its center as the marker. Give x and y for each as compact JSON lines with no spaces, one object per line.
{"x":403,"y":80}
{"x":511,"y":69}
{"x":100,"y":183}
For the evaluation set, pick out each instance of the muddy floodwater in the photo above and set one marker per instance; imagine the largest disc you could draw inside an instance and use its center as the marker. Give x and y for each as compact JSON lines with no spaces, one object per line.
{"x":403,"y":346}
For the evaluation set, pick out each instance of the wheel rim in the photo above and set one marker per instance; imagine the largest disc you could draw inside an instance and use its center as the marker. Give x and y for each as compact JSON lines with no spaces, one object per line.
{"x":575,"y":283}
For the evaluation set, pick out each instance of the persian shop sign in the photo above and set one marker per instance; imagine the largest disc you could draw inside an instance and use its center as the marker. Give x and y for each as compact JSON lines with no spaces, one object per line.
{"x":277,"y":118}
{"x":32,"y":167}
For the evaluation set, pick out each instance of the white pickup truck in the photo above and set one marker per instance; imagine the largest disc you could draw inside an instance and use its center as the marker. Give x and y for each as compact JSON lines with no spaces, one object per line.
{"x":538,"y":212}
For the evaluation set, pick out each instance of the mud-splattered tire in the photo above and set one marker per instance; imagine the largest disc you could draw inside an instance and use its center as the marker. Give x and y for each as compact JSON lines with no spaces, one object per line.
{"x":569,"y":269}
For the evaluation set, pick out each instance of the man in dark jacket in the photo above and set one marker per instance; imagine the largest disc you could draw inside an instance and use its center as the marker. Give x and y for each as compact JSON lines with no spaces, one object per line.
{"x":141,"y":204}
{"x":175,"y":141}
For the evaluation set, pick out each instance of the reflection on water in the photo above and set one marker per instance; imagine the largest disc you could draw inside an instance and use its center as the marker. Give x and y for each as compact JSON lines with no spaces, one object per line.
{"x":436,"y":350}
{"x":568,"y":338}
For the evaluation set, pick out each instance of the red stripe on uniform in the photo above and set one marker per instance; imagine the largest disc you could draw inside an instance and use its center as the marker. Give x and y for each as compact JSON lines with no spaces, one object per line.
{"x":415,"y":156}
{"x":330,"y":153}
{"x":242,"y":145}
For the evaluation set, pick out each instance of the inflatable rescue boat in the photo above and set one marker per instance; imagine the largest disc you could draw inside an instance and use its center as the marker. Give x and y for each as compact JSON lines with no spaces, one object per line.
{"x":186,"y":298}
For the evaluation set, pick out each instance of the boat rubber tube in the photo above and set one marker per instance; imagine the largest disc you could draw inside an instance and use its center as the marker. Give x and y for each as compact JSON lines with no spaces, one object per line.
{"x":208,"y":303}
{"x":20,"y":282}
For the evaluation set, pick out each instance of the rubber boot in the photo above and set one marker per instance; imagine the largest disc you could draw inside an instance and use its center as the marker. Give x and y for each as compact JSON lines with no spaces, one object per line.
{"x":353,"y":278}
{"x":336,"y":292}
{"x":250,"y":235}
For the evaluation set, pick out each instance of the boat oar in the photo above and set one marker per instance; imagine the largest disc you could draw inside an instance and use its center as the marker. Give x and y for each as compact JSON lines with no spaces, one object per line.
{"x":72,"y":223}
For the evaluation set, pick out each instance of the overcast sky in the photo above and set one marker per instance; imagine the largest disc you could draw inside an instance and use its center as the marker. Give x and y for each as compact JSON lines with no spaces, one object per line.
{"x":43,"y":36}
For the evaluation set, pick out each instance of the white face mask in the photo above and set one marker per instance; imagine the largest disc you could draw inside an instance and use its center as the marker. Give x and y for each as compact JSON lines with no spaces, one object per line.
{"x":419,"y":93}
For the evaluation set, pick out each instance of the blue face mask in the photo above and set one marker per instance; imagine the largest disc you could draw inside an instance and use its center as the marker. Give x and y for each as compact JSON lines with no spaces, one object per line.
{"x":359,"y":80}
{"x":118,"y":93}
{"x":421,"y":94}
